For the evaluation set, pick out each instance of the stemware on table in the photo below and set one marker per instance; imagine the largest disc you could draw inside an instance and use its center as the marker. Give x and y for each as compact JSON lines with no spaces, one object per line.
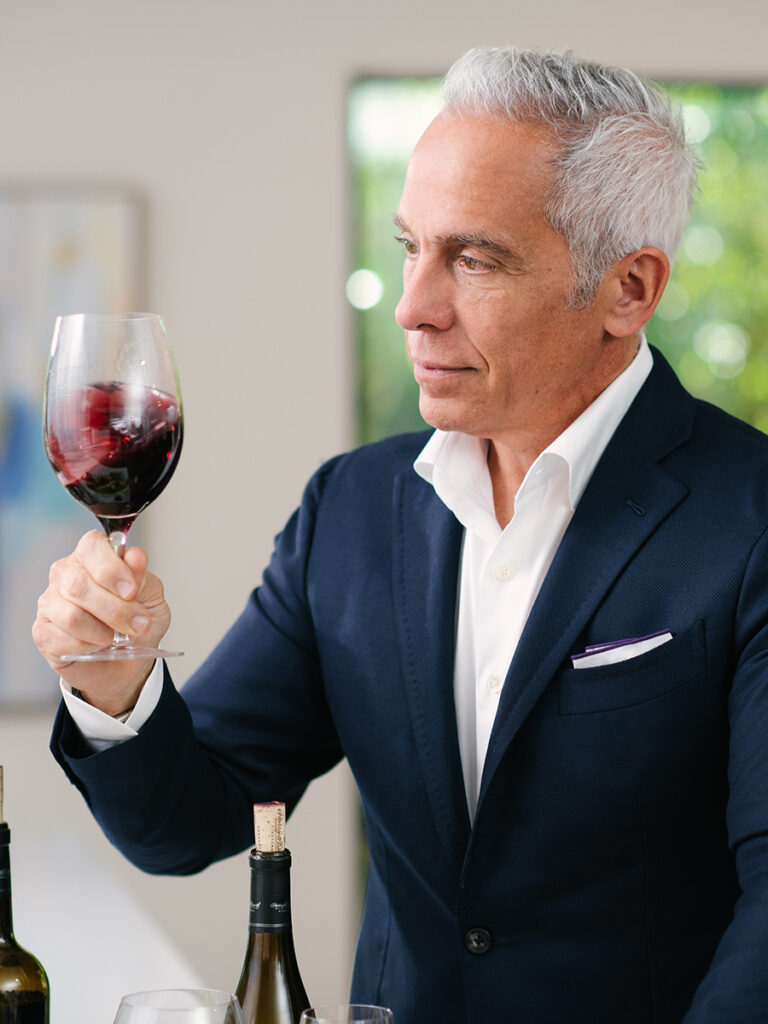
{"x":179,"y":1006}
{"x":350,"y":1013}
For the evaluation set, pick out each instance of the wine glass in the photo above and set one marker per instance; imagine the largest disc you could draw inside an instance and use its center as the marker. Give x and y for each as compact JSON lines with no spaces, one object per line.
{"x":179,"y":1006}
{"x":353,"y":1013}
{"x":112,"y":426}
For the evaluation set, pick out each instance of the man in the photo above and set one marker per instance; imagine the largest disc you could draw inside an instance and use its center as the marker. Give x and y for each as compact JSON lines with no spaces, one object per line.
{"x":543,"y":648}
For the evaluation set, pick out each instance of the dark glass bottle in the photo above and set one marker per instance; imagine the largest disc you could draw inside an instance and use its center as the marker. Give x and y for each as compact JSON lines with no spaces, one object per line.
{"x":23,"y":982}
{"x":270,"y":989}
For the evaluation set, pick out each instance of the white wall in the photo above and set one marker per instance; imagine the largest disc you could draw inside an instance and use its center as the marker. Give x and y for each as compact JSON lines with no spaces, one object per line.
{"x":229,"y":116}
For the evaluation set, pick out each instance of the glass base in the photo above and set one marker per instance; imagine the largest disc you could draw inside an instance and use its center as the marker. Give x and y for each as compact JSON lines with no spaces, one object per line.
{"x":121,"y":652}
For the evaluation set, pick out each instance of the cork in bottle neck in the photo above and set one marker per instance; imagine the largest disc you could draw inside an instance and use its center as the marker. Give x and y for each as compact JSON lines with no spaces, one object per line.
{"x":269,"y":827}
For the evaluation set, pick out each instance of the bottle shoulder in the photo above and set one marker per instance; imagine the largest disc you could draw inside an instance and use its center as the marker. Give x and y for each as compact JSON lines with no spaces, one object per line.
{"x":20,"y":970}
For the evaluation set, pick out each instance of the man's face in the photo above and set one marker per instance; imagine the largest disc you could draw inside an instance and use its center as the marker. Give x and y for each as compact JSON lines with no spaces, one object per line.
{"x":495,"y":349}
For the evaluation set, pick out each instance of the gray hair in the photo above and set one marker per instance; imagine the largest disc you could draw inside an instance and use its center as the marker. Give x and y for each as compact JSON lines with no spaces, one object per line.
{"x":625,"y":176}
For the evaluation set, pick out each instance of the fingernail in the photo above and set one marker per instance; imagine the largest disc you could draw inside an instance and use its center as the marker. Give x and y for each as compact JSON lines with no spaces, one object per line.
{"x":140,"y":623}
{"x":124,"y":588}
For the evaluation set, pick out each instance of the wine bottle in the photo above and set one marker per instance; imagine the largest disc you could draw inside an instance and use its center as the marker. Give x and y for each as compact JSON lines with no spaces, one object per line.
{"x":270,"y":989}
{"x":23,"y":982}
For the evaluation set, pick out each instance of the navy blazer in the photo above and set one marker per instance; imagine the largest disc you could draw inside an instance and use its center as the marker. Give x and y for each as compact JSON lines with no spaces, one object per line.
{"x":617,"y":868}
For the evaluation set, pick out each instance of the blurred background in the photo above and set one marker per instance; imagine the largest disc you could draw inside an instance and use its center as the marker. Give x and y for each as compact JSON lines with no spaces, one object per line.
{"x":235,"y":167}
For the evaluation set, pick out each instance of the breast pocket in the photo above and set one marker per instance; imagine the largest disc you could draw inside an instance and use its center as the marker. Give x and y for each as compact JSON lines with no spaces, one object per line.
{"x":627,"y":683}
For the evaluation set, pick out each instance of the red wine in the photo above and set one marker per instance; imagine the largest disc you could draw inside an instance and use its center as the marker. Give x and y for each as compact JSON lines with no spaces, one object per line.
{"x":114,"y":446}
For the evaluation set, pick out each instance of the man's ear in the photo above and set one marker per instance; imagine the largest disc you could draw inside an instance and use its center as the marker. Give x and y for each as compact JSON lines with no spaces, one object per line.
{"x":636,"y":284}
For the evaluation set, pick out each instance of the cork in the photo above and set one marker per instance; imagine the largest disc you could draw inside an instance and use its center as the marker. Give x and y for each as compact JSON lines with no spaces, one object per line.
{"x":269,"y":827}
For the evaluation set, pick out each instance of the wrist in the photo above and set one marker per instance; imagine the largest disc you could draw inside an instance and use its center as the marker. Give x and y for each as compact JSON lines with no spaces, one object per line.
{"x":110,"y":709}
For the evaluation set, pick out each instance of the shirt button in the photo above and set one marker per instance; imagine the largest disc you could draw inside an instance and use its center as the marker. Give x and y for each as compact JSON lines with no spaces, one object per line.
{"x":477,"y":941}
{"x":503,"y":571}
{"x":495,"y":684}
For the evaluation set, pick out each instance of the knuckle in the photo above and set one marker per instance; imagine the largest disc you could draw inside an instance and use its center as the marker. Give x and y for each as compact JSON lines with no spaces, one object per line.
{"x":41,"y":635}
{"x":57,"y":571}
{"x":76,"y":583}
{"x":71,"y":619}
{"x":38,"y":634}
{"x":88,"y":541}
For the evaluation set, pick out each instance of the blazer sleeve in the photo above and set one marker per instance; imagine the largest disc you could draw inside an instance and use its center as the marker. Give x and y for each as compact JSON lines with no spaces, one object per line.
{"x":252,"y":724}
{"x":735,"y":989}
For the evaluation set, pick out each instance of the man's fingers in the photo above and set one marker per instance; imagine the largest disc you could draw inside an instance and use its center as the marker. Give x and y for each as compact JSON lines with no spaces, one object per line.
{"x":109,"y":570}
{"x":136,"y":560}
{"x":78,"y":605}
{"x":125,"y":676}
{"x":82,"y":607}
{"x":54,"y":643}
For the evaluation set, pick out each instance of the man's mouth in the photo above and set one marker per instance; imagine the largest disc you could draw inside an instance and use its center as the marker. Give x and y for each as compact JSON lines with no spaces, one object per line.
{"x":430,"y":371}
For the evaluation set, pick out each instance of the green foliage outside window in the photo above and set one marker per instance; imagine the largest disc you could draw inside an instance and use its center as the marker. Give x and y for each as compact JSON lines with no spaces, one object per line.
{"x":712,"y":322}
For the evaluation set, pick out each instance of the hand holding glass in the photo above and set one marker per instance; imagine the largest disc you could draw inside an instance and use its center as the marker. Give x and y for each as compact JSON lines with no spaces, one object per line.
{"x":179,"y":1006}
{"x":113,"y":425}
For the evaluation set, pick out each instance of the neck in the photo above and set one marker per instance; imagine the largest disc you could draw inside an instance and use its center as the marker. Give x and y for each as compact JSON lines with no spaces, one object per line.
{"x":511,"y":454}
{"x":507,"y":470}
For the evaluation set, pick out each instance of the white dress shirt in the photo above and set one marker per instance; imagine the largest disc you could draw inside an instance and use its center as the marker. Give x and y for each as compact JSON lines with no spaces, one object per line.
{"x":100,"y":730}
{"x":501,"y":570}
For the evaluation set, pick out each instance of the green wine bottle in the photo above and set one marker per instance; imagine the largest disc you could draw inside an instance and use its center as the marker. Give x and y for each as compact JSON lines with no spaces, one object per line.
{"x":270,"y":989}
{"x":24,"y":995}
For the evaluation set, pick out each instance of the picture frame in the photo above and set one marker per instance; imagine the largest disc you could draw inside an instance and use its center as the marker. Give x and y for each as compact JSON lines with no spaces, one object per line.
{"x":64,"y":248}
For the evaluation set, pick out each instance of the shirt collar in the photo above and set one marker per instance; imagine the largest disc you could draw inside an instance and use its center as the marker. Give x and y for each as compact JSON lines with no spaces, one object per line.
{"x":456,"y":464}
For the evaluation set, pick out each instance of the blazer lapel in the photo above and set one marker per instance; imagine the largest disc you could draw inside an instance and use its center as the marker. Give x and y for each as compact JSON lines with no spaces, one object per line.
{"x":628,"y":496}
{"x":427,"y":542}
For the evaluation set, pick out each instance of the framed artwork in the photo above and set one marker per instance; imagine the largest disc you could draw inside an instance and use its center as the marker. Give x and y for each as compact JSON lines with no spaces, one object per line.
{"x":63,"y":249}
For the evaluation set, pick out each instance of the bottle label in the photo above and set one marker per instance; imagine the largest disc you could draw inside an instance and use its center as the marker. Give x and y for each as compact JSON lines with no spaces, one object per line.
{"x":270,"y":909}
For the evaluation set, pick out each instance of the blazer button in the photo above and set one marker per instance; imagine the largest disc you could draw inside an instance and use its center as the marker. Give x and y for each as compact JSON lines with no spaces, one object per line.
{"x":477,"y":940}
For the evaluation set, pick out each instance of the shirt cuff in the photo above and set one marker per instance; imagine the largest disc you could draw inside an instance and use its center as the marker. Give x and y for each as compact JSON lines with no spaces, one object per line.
{"x":99,"y":730}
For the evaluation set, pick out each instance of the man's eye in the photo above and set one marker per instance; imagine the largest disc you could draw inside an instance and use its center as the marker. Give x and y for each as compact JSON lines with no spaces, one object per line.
{"x":407,"y":244}
{"x":473,"y":263}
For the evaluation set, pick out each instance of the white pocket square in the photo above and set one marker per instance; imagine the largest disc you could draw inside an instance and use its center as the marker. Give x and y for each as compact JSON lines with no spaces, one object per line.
{"x":619,"y":650}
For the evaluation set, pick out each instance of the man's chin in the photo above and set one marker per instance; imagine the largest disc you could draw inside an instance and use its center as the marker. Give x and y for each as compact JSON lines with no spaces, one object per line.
{"x":445,"y":416}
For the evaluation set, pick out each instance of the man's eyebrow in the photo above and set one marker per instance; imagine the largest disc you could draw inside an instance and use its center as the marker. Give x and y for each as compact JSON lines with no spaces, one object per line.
{"x":492,"y":246}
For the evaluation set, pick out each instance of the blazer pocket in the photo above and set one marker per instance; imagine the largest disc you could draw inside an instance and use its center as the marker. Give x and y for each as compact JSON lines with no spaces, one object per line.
{"x":627,"y":683}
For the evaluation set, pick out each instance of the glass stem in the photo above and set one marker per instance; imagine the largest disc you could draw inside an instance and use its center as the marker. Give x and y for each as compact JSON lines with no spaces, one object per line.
{"x":117,"y":540}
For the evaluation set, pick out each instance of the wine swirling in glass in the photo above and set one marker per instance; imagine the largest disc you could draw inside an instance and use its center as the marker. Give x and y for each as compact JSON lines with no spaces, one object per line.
{"x":113,"y":427}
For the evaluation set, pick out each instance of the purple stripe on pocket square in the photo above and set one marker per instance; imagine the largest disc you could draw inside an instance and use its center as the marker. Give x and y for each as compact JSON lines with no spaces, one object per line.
{"x":619,"y":650}
{"x":593,"y":648}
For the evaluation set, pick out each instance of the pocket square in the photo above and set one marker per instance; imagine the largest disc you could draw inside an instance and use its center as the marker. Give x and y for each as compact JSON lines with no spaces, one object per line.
{"x":619,"y":650}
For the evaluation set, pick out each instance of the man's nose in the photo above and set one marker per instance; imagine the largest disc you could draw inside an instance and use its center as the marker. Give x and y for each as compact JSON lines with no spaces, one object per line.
{"x":426,"y":302}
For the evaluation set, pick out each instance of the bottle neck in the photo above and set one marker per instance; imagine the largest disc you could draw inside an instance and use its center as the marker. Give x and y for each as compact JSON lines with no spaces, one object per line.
{"x":6,"y":914}
{"x":270,"y":910}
